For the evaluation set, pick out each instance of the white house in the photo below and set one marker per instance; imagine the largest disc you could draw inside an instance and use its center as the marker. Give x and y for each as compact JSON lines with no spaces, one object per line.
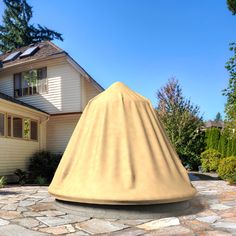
{"x":43,"y":92}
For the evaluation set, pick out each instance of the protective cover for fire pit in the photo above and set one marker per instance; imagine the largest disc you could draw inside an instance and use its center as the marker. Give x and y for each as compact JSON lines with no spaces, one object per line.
{"x":119,"y":153}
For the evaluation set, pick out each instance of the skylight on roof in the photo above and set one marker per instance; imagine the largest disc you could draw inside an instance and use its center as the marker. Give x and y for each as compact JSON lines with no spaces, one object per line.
{"x":12,"y":56}
{"x":29,"y":52}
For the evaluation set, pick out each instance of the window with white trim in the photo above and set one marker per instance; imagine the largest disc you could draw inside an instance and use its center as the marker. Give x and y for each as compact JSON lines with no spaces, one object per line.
{"x":30,"y":82}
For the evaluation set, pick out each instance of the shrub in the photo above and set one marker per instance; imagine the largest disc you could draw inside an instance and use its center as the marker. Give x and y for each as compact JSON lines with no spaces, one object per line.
{"x":21,"y":175}
{"x":40,"y":180}
{"x":227,"y":169}
{"x":210,"y":160}
{"x":2,"y":181}
{"x":43,"y":164}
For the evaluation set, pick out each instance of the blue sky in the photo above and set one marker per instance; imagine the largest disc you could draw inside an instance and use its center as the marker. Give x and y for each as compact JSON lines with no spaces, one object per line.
{"x":144,"y":43}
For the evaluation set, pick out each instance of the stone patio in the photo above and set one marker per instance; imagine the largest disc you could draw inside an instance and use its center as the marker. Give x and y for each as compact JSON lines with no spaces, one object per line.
{"x":29,"y":211}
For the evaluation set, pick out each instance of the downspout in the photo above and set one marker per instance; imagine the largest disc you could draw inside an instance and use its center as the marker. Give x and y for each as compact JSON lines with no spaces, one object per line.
{"x":42,"y":142}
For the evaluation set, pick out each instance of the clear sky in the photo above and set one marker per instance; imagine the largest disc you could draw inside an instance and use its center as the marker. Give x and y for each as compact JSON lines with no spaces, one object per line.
{"x":145,"y":42}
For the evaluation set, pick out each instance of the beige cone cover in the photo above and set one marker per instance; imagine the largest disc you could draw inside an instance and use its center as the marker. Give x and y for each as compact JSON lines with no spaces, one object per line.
{"x":120,"y":154}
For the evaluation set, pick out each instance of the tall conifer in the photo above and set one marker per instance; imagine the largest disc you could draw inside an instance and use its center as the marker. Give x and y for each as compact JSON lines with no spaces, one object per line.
{"x":16,"y":29}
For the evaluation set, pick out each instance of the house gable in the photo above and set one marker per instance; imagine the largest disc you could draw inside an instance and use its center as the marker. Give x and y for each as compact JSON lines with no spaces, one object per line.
{"x":69,"y":86}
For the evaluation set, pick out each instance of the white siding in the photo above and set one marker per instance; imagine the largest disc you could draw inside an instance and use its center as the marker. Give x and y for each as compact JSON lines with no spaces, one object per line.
{"x":15,"y":154}
{"x":89,"y":91}
{"x":6,"y":85}
{"x":63,"y":91}
{"x":59,"y":131}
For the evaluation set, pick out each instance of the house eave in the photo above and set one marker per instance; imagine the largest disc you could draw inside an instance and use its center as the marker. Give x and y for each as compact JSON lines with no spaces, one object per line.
{"x":83,"y":72}
{"x":31,"y":110}
{"x":25,"y":63}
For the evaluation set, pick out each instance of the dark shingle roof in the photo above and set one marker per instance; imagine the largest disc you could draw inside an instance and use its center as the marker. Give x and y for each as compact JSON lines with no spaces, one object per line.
{"x":46,"y":49}
{"x":11,"y":99}
{"x":216,"y":124}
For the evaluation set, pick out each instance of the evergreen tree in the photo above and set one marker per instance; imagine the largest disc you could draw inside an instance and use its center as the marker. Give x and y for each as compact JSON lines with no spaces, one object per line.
{"x":233,"y":153}
{"x":17,"y":31}
{"x":229,"y":148}
{"x":232,"y":6}
{"x":222,"y":146}
{"x":218,"y":117}
{"x":230,"y":91}
{"x":212,"y":138}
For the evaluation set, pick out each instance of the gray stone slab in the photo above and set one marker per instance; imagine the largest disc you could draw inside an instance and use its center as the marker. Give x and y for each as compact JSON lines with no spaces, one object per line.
{"x":56,"y":221}
{"x":4,"y":222}
{"x":26,"y":203}
{"x":173,"y":231}
{"x":209,"y":219}
{"x":78,"y":233}
{"x":225,"y":225}
{"x":130,"y":212}
{"x":161,"y":223}
{"x":10,"y":207}
{"x":98,"y":226}
{"x":27,"y":222}
{"x":128,"y":232}
{"x":219,"y":207}
{"x":16,"y":230}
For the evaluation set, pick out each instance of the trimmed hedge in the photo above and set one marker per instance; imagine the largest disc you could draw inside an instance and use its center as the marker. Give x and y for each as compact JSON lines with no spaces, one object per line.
{"x":210,"y":160}
{"x":227,"y":169}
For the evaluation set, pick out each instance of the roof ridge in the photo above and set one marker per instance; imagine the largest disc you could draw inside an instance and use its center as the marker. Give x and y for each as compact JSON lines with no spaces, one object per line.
{"x":54,"y":45}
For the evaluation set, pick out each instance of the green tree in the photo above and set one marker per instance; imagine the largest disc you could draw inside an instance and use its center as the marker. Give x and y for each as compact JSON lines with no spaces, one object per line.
{"x":182,"y":123}
{"x":213,"y":137}
{"x":229,"y":148}
{"x":222,"y":146}
{"x":230,"y":91}
{"x":17,"y":31}
{"x":232,"y":6}
{"x":218,"y":117}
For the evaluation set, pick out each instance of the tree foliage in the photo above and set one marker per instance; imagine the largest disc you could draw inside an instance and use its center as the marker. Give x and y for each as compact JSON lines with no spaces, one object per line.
{"x":230,"y":91}
{"x":17,"y":31}
{"x":182,"y":122}
{"x":218,"y":117}
{"x":222,"y":141}
{"x":232,"y":6}
{"x":212,"y":138}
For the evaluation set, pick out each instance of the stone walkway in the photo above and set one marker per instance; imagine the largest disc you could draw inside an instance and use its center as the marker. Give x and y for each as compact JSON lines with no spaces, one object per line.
{"x":29,"y":211}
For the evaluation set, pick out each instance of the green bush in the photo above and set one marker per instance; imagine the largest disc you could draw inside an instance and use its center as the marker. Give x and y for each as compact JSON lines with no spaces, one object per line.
{"x":3,"y":181}
{"x":21,"y":176}
{"x":210,"y":160}
{"x":40,"y":180}
{"x":43,"y":164}
{"x":227,"y":169}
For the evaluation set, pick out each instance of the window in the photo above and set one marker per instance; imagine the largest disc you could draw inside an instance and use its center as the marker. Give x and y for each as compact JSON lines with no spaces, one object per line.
{"x":17,"y":127}
{"x":30,"y":82}
{"x":26,"y":128}
{"x":2,"y":124}
{"x":34,"y":130}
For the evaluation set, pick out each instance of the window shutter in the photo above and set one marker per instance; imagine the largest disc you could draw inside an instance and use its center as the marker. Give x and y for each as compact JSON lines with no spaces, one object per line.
{"x":17,"y":85}
{"x":42,"y":80}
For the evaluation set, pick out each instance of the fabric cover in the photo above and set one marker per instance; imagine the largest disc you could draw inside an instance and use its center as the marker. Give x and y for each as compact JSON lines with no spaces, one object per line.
{"x":119,"y":153}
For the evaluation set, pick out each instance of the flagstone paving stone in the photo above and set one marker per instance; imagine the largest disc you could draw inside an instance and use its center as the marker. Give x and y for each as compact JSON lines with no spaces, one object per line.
{"x":29,"y":210}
